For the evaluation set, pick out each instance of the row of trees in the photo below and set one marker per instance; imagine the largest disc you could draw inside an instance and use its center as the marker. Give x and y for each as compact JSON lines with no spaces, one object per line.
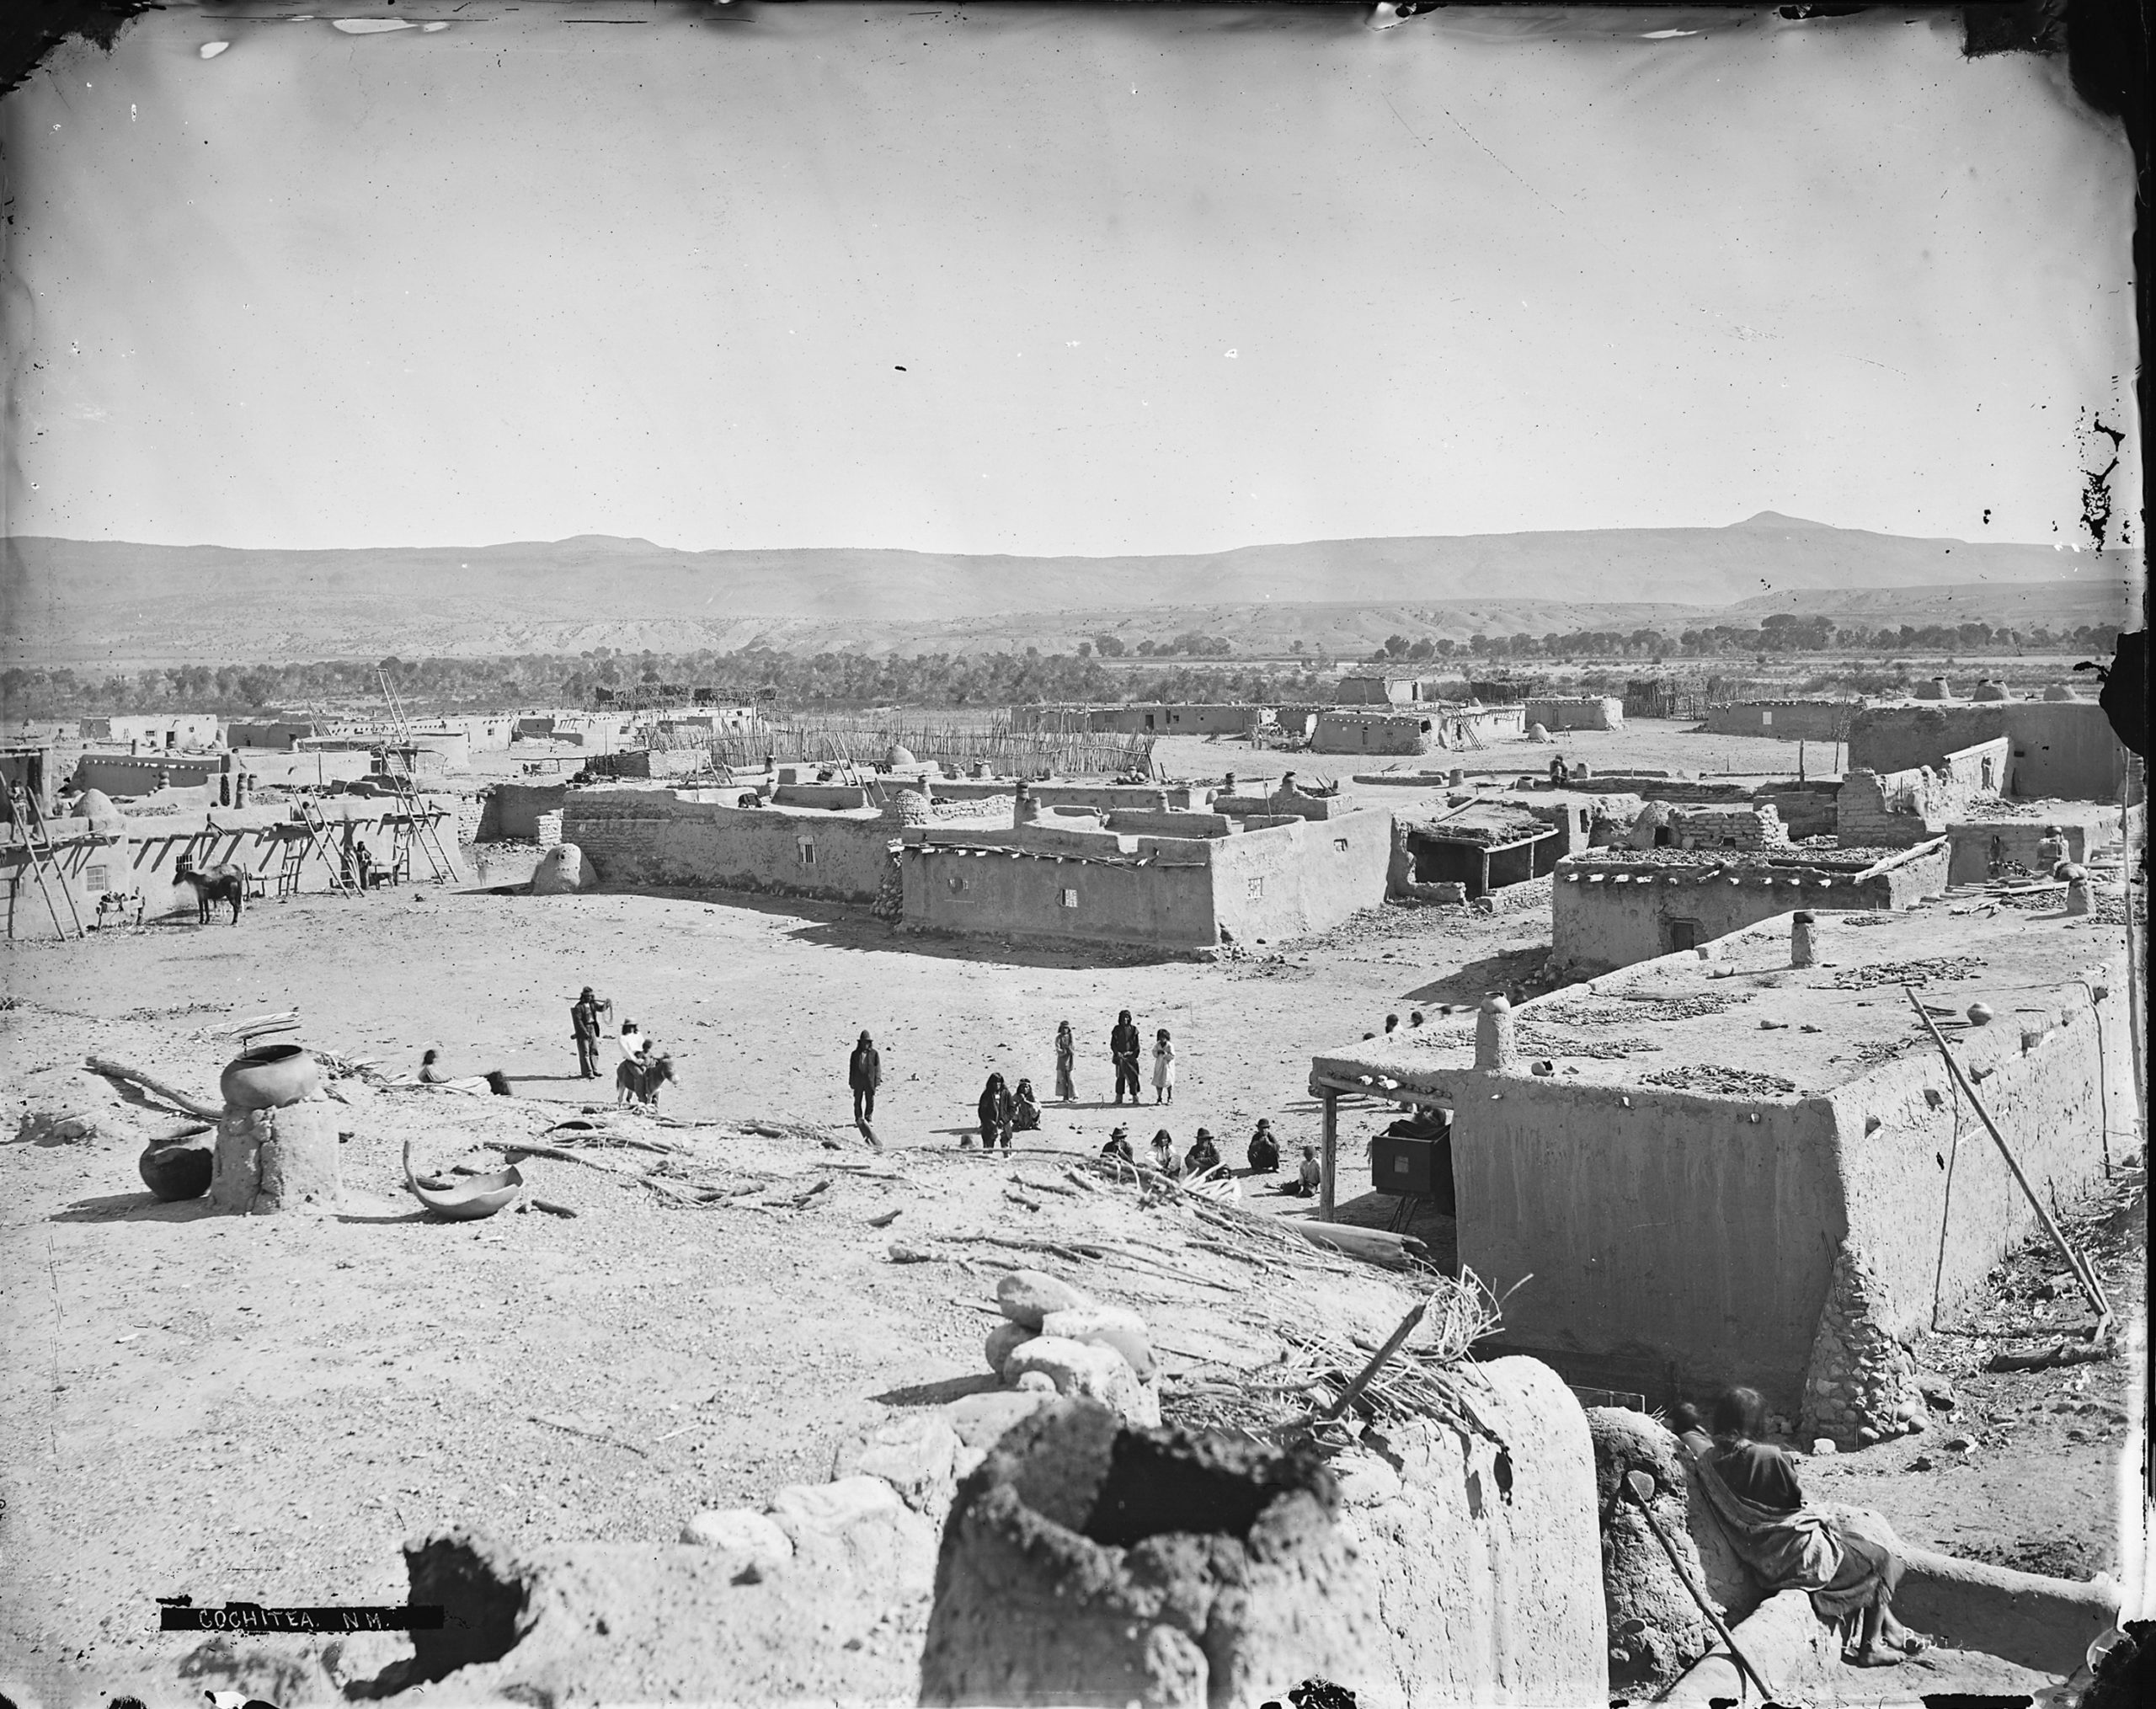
{"x":943,"y":679}
{"x":1782,"y":633}
{"x":827,"y":680}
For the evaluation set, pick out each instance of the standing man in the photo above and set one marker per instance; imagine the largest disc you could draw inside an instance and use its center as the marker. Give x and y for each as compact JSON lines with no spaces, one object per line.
{"x":1123,"y":1049}
{"x":584,"y":1027}
{"x":864,"y":1073}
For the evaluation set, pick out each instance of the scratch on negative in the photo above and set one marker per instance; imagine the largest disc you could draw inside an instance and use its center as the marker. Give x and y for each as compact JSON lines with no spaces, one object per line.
{"x":1480,"y":144}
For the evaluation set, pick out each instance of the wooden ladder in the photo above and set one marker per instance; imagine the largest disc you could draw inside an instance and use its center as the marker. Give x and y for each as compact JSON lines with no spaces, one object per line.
{"x":37,"y":843}
{"x":416,"y":828}
{"x":318,"y":841}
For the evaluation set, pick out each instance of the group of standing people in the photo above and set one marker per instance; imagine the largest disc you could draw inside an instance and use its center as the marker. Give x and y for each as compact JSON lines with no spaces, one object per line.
{"x":1123,"y":1046}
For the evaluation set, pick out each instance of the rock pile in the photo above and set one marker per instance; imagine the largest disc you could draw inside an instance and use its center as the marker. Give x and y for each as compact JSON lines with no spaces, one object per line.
{"x":1862,"y":1384}
{"x":1054,"y":1340}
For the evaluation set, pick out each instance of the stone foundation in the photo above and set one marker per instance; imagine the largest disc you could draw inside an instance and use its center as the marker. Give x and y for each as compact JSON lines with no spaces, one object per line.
{"x":1861,"y":1385}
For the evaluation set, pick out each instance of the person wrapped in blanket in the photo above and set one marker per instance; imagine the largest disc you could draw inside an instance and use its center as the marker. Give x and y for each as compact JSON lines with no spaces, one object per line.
{"x":1848,"y":1558}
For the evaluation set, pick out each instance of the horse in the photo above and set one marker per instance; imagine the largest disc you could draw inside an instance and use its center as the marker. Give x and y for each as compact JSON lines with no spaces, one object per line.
{"x":638,"y":1080}
{"x":212,"y":885}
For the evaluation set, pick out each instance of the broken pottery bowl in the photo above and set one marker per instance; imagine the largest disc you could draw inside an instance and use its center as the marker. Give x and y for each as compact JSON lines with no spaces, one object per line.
{"x":463,"y":1201}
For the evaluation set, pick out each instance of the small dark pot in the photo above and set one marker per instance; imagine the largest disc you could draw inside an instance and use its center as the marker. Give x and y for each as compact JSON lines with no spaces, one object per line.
{"x":268,"y":1077}
{"x":176,"y":1169}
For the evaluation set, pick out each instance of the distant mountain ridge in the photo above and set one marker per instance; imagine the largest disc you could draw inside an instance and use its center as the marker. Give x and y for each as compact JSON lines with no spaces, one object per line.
{"x":118,"y":604}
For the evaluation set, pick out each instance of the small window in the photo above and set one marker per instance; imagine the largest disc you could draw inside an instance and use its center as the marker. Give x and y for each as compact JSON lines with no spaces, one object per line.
{"x":956,"y":883}
{"x":807,"y":850}
{"x":97,"y":879}
{"x":1069,"y":899}
{"x":1254,"y":887}
{"x":1341,"y":844}
{"x":1766,"y":716}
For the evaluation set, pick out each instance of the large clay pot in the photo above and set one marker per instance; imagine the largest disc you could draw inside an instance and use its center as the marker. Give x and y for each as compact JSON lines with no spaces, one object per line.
{"x":176,"y":1169}
{"x":268,"y":1077}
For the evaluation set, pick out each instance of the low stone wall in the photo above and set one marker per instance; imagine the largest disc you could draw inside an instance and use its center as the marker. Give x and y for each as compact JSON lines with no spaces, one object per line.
{"x":1751,"y":827}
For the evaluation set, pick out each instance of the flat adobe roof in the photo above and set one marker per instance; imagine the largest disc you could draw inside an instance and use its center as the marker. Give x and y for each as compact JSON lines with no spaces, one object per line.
{"x":1810,"y":1029}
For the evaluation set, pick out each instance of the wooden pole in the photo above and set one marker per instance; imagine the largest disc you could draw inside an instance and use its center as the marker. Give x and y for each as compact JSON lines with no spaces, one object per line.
{"x":2087,"y":1277}
{"x":1324,"y":1202}
{"x":171,"y":1094}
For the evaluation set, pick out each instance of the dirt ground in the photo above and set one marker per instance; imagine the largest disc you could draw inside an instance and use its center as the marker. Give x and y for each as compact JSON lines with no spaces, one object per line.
{"x":265,"y":1409}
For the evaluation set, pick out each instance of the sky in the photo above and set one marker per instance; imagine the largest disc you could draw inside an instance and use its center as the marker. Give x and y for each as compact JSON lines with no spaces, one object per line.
{"x":1043,"y":280}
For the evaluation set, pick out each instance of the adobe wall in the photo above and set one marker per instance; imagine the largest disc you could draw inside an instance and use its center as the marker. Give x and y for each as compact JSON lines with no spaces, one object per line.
{"x":276,"y":734}
{"x":1489,"y":1574}
{"x":1292,"y":880}
{"x":1369,"y":733}
{"x":1920,"y":1227}
{"x":1139,"y":822}
{"x":1369,"y":690}
{"x":132,"y":774}
{"x":512,"y":810}
{"x":2064,"y":748}
{"x":1600,"y":922}
{"x":1576,"y":713}
{"x":303,"y":770}
{"x":1894,"y":809}
{"x":1976,"y":843}
{"x":1673,"y":1236}
{"x":650,"y":836}
{"x":952,"y":889}
{"x":1790,"y":720}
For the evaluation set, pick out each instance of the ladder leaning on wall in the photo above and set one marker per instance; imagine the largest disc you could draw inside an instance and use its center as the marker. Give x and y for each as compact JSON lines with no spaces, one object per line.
{"x":313,"y":839}
{"x":43,"y":865}
{"x":413,"y":828}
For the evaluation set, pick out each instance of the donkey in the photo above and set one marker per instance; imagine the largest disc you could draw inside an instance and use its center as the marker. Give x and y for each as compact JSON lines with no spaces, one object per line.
{"x":638,"y":1080}
{"x":212,"y":885}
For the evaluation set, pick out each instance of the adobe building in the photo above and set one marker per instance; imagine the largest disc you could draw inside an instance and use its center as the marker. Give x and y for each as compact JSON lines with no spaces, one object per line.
{"x":1155,"y":718}
{"x":103,"y":850}
{"x":1340,"y":730}
{"x":2058,"y":750}
{"x":1685,"y":1206}
{"x":1176,"y":879}
{"x":154,"y":732}
{"x":1790,"y":720}
{"x":1576,"y":712}
{"x":1611,"y":908}
{"x":1460,"y":853}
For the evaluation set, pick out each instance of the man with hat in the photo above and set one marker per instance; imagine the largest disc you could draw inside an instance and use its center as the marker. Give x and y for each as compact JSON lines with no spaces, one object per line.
{"x":2051,"y":851}
{"x":1118,"y":1146}
{"x":584,"y":1027}
{"x":1264,"y":1150}
{"x":1203,"y":1155}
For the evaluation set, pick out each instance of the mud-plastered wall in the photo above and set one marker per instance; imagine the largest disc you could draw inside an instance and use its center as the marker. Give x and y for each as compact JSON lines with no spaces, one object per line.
{"x":1166,"y":903}
{"x":1290,"y":880}
{"x":652,"y":837}
{"x":1931,"y":1213}
{"x":1685,"y":1235}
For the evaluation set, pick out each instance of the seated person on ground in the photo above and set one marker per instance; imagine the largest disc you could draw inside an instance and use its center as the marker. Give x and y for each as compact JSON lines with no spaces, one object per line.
{"x":1264,"y":1151}
{"x":1203,"y":1155}
{"x":1309,"y":1174}
{"x":1163,"y":1157}
{"x":1848,"y":1558}
{"x":1118,"y":1146}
